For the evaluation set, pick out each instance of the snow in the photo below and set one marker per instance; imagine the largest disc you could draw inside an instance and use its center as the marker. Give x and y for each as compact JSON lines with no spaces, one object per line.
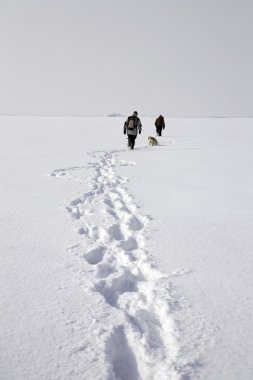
{"x":119,"y":264}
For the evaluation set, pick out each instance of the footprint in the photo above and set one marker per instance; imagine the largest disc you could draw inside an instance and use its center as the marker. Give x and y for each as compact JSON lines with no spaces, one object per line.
{"x":76,"y":202}
{"x":82,"y":231}
{"x":120,"y":356}
{"x":95,"y":255}
{"x":104,"y":270}
{"x":108,"y":203}
{"x":115,"y":232}
{"x":130,"y":244}
{"x":135,"y":224}
{"x":111,"y":290}
{"x":74,"y":211}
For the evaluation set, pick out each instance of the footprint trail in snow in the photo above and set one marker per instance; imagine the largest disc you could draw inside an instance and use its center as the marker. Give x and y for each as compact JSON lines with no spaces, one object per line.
{"x":144,"y":345}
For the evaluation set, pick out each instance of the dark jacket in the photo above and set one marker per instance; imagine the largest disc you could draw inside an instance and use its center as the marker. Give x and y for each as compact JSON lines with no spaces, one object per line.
{"x":159,"y":123}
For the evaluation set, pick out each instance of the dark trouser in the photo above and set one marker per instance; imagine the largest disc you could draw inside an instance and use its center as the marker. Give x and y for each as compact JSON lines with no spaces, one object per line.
{"x":131,"y":141}
{"x":159,"y":131}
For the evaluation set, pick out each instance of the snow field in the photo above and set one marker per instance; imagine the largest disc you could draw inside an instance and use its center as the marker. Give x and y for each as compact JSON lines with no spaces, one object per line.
{"x":81,"y":293}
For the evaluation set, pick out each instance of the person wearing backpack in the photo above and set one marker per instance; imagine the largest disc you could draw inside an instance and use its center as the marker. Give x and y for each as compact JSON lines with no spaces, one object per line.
{"x":131,"y":127}
{"x":160,"y":125}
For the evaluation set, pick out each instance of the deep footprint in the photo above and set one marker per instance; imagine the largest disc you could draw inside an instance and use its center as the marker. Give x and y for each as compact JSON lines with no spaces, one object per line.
{"x":95,"y":255}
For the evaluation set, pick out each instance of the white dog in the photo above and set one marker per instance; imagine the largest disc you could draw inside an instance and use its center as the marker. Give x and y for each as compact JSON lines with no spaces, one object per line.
{"x":152,"y":141}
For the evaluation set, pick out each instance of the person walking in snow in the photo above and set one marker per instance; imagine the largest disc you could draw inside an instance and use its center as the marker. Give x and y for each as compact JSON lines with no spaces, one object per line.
{"x":160,"y":125}
{"x":131,"y":127}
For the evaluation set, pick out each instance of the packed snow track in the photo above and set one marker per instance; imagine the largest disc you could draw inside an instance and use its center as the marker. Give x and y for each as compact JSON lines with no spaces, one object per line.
{"x":142,"y":343}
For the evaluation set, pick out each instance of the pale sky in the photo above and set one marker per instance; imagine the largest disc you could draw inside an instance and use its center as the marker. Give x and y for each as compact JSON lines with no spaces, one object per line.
{"x":175,"y":57}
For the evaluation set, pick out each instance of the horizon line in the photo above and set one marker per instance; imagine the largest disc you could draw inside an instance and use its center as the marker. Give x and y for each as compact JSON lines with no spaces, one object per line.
{"x":121,"y":115}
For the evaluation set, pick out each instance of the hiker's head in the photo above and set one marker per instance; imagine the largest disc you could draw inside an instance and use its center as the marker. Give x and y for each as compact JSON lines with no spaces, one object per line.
{"x":135,"y":113}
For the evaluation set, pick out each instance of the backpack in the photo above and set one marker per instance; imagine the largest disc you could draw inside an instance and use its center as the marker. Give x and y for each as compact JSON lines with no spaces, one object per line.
{"x":131,"y":123}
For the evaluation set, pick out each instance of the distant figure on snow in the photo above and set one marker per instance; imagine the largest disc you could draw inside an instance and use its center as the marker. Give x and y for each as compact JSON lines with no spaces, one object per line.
{"x":160,"y":125}
{"x":131,"y":127}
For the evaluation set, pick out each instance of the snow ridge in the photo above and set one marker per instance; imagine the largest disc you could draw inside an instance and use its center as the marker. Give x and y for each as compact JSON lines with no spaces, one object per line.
{"x":144,"y":345}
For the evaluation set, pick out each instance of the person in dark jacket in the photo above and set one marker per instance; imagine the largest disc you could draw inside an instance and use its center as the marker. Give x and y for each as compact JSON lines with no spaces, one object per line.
{"x":131,"y":127}
{"x":160,"y":125}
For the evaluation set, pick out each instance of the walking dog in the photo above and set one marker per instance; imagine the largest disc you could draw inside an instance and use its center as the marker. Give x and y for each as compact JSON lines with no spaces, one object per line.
{"x":152,"y":141}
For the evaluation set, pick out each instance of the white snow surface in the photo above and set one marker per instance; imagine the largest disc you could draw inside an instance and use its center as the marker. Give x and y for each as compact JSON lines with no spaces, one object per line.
{"x":126,"y":264}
